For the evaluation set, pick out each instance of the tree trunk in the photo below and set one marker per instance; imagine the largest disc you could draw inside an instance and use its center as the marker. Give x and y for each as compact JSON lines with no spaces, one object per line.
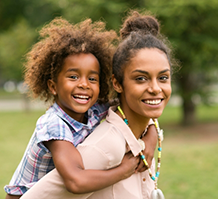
{"x":187,"y":84}
{"x":189,"y":112}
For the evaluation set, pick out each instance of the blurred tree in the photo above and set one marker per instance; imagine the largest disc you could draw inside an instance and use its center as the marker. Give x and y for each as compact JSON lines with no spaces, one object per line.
{"x":20,"y":18}
{"x":35,"y":12}
{"x":10,"y":11}
{"x":14,"y":44}
{"x":191,"y":27}
{"x":111,"y":12}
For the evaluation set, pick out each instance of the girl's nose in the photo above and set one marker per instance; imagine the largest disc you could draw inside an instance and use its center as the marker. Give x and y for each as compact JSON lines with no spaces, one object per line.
{"x":84,"y":83}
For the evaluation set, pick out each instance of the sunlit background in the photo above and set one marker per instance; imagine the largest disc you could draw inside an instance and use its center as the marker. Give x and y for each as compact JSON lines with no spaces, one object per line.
{"x":190,"y":120}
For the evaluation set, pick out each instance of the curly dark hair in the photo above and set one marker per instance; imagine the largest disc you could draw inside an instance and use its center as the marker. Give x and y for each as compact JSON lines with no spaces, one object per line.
{"x":59,"y":39}
{"x":137,"y":32}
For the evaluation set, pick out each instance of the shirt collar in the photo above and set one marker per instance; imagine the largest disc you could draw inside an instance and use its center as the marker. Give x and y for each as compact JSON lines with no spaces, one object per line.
{"x":74,"y":123}
{"x":117,"y":121}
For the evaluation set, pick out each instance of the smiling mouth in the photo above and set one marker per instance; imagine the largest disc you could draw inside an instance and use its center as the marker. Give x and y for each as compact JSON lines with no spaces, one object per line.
{"x":152,"y":102}
{"x":81,"y":97}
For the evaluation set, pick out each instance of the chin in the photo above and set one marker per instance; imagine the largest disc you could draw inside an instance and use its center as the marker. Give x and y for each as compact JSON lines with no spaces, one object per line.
{"x":155,"y":115}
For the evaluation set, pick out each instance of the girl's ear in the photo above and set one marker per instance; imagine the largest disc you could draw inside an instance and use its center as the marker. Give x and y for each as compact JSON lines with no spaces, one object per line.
{"x":52,"y":86}
{"x":116,"y":85}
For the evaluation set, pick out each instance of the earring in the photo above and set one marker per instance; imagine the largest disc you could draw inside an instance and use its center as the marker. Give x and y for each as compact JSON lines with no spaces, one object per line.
{"x":160,"y":90}
{"x":54,"y":93}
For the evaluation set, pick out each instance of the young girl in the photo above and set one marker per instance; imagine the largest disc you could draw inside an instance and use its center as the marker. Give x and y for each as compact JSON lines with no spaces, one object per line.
{"x":70,"y":66}
{"x":142,"y":70}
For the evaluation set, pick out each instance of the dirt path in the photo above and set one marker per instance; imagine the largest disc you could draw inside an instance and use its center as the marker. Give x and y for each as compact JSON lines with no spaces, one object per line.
{"x":204,"y":132}
{"x":18,"y":104}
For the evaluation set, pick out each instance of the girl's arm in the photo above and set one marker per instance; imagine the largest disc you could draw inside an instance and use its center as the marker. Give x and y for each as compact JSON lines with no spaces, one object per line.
{"x":69,"y":164}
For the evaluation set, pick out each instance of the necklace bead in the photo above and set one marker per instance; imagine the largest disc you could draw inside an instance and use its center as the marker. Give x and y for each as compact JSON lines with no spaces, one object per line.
{"x":160,"y":139}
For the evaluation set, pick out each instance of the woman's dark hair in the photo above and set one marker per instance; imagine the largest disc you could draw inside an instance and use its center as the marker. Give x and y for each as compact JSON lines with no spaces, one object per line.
{"x":138,"y":31}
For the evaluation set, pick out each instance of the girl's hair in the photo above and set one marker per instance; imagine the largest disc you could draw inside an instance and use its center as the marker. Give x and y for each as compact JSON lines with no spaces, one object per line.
{"x":58,"y":40}
{"x":138,"y":31}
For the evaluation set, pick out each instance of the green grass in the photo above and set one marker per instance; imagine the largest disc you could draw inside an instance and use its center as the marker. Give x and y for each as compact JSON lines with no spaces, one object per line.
{"x":173,"y":115}
{"x":189,"y":171}
{"x":189,"y":168}
{"x":7,"y":95}
{"x":16,"y":129}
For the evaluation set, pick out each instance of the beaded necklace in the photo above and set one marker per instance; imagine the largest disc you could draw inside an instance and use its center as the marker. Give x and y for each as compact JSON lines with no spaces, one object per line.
{"x":156,"y":193}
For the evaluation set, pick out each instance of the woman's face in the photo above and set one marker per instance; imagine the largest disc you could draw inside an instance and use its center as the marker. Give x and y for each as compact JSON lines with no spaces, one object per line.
{"x":146,"y":85}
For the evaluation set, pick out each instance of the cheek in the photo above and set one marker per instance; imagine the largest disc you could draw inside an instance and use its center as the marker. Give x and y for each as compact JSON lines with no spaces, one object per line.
{"x":97,"y":90}
{"x":168,"y":90}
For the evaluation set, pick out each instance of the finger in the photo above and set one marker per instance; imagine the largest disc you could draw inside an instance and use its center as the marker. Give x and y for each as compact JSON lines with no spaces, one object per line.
{"x":142,"y":167}
{"x":129,"y":154}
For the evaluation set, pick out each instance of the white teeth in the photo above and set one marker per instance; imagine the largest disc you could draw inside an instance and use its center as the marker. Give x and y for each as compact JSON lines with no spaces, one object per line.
{"x":81,"y":96}
{"x":153,"y":101}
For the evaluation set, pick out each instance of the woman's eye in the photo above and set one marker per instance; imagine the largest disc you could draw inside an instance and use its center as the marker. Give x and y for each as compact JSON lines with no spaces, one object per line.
{"x":164,"y":78}
{"x":141,"y":78}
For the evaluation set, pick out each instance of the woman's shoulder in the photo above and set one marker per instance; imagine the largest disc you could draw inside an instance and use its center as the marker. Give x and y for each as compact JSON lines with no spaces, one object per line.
{"x":105,"y":142}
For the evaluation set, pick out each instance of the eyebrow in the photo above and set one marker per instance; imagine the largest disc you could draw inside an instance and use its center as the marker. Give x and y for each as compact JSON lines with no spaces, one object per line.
{"x":145,"y":72}
{"x":76,"y":69}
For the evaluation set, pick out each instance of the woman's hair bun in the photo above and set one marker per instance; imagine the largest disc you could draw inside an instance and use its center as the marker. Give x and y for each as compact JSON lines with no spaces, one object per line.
{"x":136,"y":22}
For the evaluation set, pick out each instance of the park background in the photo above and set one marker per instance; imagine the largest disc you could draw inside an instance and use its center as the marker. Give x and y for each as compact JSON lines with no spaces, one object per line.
{"x":190,"y":121}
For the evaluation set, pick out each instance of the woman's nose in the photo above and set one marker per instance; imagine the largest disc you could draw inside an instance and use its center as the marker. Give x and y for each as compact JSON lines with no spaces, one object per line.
{"x":154,"y":87}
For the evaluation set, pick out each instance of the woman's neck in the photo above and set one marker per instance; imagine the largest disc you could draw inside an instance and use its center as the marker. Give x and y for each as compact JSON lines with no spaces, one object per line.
{"x":137,"y":123}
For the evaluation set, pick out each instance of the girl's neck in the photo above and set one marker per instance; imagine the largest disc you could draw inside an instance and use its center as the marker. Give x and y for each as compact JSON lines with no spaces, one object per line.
{"x":137,"y":123}
{"x":80,"y":117}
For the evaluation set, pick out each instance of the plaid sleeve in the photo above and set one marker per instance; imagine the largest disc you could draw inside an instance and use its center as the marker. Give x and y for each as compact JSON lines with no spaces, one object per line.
{"x":54,"y":128}
{"x":102,"y":110}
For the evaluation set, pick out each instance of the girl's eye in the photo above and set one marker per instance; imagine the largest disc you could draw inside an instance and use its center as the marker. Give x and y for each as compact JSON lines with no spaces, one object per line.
{"x":93,"y":79}
{"x":73,"y":77}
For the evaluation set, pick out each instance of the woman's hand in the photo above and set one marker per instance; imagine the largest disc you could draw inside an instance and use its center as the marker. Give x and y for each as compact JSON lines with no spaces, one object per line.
{"x":129,"y":164}
{"x":150,"y":140}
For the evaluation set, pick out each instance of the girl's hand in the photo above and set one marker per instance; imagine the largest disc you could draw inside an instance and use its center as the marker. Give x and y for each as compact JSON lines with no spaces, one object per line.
{"x":150,"y":140}
{"x":129,"y":164}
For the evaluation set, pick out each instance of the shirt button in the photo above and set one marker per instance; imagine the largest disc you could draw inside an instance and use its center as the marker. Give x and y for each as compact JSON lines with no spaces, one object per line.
{"x":143,"y":179}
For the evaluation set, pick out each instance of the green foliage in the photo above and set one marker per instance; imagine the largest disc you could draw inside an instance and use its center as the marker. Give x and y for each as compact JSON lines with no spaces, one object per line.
{"x":111,"y":12}
{"x":10,"y":11}
{"x":35,"y":12}
{"x":189,"y":25}
{"x":14,"y":44}
{"x":18,"y":31}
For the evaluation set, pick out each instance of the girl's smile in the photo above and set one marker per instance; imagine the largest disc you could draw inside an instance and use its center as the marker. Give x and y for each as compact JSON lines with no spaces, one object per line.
{"x":77,"y":86}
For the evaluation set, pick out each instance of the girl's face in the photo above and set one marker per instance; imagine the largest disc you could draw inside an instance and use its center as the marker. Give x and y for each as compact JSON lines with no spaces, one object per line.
{"x":77,"y":86}
{"x":146,"y":85}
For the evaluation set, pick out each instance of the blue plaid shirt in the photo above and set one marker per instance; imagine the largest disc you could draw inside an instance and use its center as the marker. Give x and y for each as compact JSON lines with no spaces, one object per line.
{"x":54,"y":124}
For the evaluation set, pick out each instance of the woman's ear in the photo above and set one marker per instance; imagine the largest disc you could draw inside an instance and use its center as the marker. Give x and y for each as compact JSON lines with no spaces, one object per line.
{"x":52,"y":87}
{"x":116,"y":85}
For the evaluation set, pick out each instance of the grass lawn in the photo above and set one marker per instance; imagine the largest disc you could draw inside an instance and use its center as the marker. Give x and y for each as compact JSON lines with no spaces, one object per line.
{"x":189,"y":169}
{"x":189,"y":160}
{"x":16,"y":129}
